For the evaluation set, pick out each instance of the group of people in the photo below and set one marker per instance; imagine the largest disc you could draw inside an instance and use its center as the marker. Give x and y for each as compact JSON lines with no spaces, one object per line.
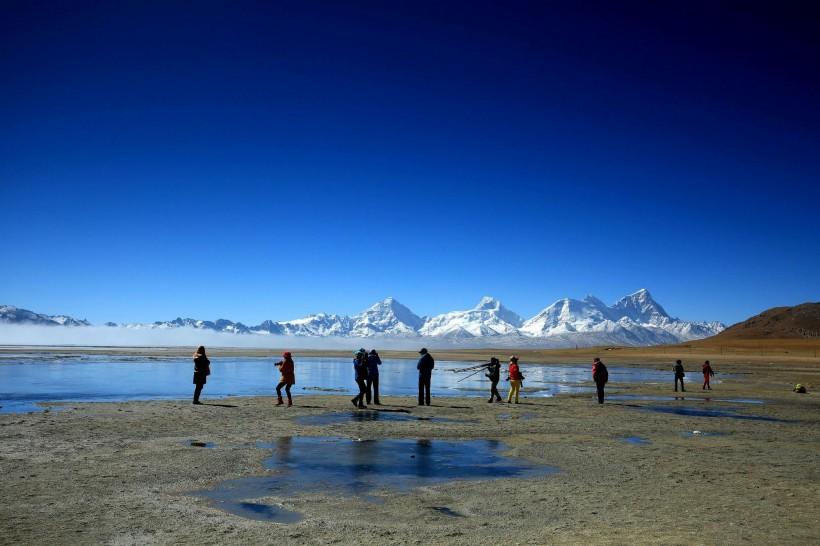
{"x":366,"y":374}
{"x":680,"y":373}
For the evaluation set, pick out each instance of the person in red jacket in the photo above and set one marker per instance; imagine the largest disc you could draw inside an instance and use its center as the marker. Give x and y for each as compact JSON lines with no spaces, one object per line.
{"x":515,"y":378}
{"x":600,"y":375}
{"x":708,"y":372}
{"x":287,"y":377}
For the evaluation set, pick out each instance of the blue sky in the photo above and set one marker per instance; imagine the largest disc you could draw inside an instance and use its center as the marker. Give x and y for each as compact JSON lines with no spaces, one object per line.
{"x":253,"y":161}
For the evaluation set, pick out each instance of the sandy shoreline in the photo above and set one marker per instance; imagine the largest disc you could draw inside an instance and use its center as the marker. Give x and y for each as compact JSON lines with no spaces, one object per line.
{"x":124,"y":473}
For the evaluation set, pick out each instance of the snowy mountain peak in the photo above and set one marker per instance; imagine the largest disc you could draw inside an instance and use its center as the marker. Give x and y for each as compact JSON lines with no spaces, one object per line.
{"x":386,"y":317}
{"x":488,"y":303}
{"x":640,"y":307}
{"x":488,"y":318}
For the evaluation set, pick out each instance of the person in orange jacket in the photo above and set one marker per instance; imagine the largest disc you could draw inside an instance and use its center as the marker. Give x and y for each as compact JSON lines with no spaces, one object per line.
{"x":515,"y":378}
{"x":287,"y":377}
{"x":708,"y":373}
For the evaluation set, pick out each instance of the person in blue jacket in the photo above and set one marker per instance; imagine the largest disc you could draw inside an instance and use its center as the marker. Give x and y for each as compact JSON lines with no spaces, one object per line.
{"x":425,"y":368}
{"x":360,"y":368}
{"x":373,"y":363}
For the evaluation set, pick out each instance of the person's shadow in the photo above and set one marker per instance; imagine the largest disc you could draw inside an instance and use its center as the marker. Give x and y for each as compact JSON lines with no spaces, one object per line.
{"x":218,"y":405}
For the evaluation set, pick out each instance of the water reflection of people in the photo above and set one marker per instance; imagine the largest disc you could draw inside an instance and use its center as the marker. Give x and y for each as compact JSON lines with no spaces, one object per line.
{"x":202,"y":369}
{"x":425,"y":462}
{"x":287,"y":377}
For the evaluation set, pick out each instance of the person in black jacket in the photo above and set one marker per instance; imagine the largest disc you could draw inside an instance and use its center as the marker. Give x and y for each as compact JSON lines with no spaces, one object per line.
{"x":425,"y":368}
{"x":600,"y":375}
{"x":360,"y":369}
{"x":679,"y":375}
{"x":494,"y":374}
{"x":202,"y":369}
{"x":373,"y":363}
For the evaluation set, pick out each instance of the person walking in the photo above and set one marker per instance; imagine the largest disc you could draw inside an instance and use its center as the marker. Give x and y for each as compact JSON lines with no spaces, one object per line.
{"x":679,"y":375}
{"x":515,"y":378}
{"x":425,"y":367}
{"x":708,"y":373}
{"x":373,"y":363}
{"x":360,"y":370}
{"x":202,"y":369}
{"x":287,"y":377}
{"x":600,"y":375}
{"x":494,"y":375}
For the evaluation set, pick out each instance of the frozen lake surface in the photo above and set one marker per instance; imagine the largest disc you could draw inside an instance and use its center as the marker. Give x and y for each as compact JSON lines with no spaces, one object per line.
{"x":30,"y":378}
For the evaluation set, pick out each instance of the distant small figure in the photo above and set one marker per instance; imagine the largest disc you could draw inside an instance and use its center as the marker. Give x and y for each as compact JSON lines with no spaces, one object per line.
{"x":800,"y":388}
{"x":494,"y":375}
{"x":515,"y":378}
{"x":287,"y":377}
{"x":679,"y":375}
{"x":425,"y":367}
{"x":360,"y":370}
{"x":202,"y":369}
{"x":373,"y":363}
{"x":708,"y":373}
{"x":600,"y":375}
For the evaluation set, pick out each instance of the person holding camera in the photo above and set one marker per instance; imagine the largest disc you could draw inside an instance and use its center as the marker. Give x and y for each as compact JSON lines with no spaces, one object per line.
{"x":287,"y":377}
{"x":494,"y":375}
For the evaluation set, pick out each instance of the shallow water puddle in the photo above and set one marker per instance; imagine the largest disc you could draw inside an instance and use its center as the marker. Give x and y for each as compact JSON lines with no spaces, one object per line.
{"x":362,"y":468}
{"x":198,"y":443}
{"x":636,"y":440}
{"x":447,"y":511}
{"x":365,"y":416}
{"x":698,"y":433}
{"x":730,"y":413}
{"x":658,"y":398}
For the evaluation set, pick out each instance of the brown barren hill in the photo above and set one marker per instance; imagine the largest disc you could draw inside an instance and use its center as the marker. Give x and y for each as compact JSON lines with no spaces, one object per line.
{"x":800,"y":321}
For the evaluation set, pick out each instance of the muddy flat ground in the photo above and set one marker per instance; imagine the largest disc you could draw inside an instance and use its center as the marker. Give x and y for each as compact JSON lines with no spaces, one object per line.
{"x":125,"y":473}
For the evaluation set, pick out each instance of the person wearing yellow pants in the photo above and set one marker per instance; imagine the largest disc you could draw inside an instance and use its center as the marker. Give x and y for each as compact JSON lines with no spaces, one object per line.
{"x":515,"y":378}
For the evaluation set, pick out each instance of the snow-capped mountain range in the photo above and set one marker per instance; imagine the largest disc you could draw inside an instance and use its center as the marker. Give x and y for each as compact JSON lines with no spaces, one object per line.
{"x":635,"y":319}
{"x":24,"y":316}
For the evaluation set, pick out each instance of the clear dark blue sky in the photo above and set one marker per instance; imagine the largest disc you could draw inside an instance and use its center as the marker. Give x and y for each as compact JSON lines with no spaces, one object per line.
{"x":267,"y":160}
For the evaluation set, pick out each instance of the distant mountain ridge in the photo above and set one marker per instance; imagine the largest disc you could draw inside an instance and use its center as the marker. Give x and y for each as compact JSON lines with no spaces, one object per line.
{"x":799,"y":321}
{"x":636,"y":319}
{"x":15,"y":315}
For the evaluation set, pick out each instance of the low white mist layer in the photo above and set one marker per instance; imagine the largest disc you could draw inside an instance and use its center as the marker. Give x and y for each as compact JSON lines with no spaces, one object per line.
{"x":88,"y":336}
